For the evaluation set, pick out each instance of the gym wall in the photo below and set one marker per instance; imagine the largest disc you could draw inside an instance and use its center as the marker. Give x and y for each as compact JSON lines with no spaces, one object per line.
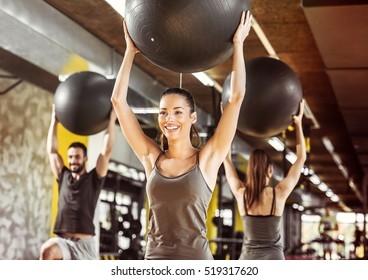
{"x":25,"y":176}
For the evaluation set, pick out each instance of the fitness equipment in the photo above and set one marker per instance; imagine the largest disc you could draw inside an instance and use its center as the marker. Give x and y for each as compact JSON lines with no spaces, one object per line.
{"x":184,"y":35}
{"x":273,"y":94}
{"x":82,"y":102}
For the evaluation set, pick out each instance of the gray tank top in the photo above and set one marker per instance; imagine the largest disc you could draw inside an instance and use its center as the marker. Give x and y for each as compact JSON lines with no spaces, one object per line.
{"x":262,"y":239}
{"x":177,"y":217}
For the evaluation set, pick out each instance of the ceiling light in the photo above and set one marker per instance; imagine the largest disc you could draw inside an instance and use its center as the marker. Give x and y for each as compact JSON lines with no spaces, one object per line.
{"x":142,"y":176}
{"x":328,"y":144}
{"x":315,"y":179}
{"x":344,"y":171}
{"x":298,"y":207}
{"x":322,"y":187}
{"x":335,"y":198}
{"x":204,"y":79}
{"x":351,"y":183}
{"x":336,"y":158}
{"x":203,"y":134}
{"x":353,"y":186}
{"x":329,"y":193}
{"x":276,"y":143}
{"x":145,"y":110}
{"x":291,"y":157}
{"x":307,"y":171}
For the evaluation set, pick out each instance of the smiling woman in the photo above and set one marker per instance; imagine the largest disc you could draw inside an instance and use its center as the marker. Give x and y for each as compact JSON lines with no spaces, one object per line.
{"x":169,"y":120}
{"x":180,"y":175}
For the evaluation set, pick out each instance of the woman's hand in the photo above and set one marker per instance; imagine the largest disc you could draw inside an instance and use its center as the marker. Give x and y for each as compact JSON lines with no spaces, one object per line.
{"x":129,"y":43}
{"x":243,"y":28}
{"x":298,"y":118}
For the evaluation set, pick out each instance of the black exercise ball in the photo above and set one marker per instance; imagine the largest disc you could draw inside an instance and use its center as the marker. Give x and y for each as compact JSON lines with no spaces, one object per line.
{"x":82,"y":102}
{"x":184,"y":35}
{"x":273,"y":94}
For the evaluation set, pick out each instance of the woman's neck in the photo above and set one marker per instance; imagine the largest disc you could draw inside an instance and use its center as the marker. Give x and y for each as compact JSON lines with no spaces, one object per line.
{"x":180,"y":151}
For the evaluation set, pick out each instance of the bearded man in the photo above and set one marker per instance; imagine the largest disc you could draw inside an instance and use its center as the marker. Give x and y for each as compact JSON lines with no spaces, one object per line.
{"x":78,"y":196}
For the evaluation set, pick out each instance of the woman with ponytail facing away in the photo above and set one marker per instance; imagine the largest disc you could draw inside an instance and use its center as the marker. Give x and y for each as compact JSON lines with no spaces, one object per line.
{"x":260,"y":204}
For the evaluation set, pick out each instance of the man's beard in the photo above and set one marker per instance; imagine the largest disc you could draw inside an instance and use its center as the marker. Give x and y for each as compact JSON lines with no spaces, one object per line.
{"x":79,"y":169}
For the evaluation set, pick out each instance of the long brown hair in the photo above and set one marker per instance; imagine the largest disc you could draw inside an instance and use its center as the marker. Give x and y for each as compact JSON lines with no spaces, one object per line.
{"x":194,"y":136}
{"x":259,"y":162}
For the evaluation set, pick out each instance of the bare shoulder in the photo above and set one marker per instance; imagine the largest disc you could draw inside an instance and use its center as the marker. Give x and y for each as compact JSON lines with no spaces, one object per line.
{"x":281,"y":190}
{"x":206,"y":158}
{"x":207,"y":153}
{"x":240,"y":192}
{"x":148,"y":161}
